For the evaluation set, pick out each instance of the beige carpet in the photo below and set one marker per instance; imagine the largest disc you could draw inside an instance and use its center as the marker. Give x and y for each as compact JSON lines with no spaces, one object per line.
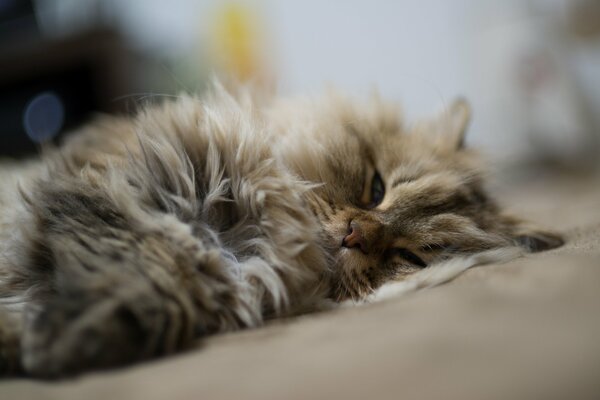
{"x":529,"y":329}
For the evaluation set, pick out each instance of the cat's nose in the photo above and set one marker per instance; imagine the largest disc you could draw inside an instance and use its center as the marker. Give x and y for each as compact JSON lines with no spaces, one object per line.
{"x":355,"y":238}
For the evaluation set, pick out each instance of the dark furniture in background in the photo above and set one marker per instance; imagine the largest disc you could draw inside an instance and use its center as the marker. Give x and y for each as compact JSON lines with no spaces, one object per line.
{"x":48,"y":86}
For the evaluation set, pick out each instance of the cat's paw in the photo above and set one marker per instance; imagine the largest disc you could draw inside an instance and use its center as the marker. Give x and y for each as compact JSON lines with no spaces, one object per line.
{"x":9,"y":344}
{"x":63,"y":338}
{"x":44,"y":345}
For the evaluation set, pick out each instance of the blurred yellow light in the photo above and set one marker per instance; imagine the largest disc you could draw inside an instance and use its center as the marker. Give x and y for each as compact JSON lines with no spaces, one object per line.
{"x":238,"y":41}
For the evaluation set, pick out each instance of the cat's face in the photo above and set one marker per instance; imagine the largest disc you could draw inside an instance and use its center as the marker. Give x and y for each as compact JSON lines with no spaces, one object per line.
{"x":392,"y":199}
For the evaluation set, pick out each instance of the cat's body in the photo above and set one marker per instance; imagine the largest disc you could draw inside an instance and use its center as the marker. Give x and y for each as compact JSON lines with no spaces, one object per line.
{"x":209,"y":215}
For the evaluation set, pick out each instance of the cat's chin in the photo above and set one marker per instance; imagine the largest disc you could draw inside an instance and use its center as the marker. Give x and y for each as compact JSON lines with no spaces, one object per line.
{"x":351,"y":282}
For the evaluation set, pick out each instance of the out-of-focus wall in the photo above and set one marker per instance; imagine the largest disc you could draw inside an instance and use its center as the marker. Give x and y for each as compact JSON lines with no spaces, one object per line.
{"x":530,"y":81}
{"x":527,"y":68}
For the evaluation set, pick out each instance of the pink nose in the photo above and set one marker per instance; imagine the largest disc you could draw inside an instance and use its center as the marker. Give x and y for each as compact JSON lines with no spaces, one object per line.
{"x":355,"y":238}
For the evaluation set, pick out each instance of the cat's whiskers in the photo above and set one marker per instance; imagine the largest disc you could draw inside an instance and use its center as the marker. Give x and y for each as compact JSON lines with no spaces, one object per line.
{"x":367,"y":283}
{"x":144,"y":95}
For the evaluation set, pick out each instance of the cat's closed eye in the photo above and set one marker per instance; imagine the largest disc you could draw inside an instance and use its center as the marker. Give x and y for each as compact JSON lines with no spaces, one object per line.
{"x":408,"y":256}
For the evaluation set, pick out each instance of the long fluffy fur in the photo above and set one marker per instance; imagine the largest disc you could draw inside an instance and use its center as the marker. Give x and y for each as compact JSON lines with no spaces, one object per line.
{"x":213,"y":214}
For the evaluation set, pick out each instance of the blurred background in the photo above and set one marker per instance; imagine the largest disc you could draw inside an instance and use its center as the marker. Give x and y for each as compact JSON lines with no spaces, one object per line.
{"x":530,"y":68}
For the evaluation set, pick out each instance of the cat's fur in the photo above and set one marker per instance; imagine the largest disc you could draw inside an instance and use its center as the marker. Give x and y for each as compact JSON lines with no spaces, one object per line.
{"x":207,"y":215}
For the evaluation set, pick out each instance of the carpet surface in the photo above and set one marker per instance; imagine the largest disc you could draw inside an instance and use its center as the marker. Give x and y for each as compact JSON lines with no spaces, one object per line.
{"x":528,"y":329}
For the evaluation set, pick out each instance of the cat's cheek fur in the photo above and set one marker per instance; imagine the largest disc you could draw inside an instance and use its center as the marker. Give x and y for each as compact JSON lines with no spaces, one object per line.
{"x":536,"y":239}
{"x":529,"y":236}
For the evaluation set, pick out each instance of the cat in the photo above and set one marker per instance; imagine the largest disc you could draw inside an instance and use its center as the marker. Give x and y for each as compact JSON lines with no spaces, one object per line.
{"x":216,"y":213}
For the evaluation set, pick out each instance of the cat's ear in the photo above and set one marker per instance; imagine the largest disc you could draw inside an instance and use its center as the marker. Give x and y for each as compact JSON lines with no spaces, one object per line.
{"x":531,"y":237}
{"x":455,"y":123}
{"x":448,"y":128}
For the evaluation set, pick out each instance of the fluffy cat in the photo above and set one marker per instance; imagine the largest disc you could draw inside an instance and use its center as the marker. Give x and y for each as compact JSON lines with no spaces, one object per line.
{"x":213,"y":214}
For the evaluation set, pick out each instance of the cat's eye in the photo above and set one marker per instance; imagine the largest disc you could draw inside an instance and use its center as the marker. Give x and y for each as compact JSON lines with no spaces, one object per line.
{"x":377,"y":191}
{"x":410,"y":257}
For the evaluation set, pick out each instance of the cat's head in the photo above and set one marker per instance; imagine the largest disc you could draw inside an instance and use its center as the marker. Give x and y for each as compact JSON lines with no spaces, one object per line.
{"x":392,"y":199}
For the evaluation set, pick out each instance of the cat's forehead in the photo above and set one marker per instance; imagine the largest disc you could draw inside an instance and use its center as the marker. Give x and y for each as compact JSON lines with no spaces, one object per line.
{"x":401,"y":152}
{"x":371,"y":130}
{"x":407,"y":150}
